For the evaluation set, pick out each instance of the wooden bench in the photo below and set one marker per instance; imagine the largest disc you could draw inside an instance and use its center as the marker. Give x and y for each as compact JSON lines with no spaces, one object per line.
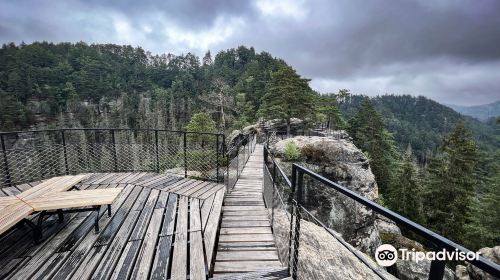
{"x":51,"y":197}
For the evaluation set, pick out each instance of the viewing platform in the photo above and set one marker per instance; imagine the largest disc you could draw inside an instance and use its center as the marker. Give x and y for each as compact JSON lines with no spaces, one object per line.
{"x":186,"y":206}
{"x":161,"y":227}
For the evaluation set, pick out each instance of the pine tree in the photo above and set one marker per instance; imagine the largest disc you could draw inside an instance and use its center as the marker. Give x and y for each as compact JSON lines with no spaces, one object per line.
{"x":369,"y":134}
{"x":451,"y":183}
{"x":288,"y":96}
{"x":483,"y":229}
{"x":405,"y":191}
{"x":329,"y":107}
{"x":201,"y":122}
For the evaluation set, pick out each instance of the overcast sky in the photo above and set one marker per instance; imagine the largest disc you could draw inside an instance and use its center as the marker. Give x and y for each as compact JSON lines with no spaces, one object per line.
{"x":448,"y":50}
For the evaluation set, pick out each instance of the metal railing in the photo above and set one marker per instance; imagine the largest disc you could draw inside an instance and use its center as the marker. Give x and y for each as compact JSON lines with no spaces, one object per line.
{"x":287,"y":200}
{"x":28,"y":156}
{"x":236,"y":157}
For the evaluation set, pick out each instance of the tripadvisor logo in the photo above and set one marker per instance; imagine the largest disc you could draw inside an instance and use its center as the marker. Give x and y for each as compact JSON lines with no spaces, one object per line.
{"x":387,"y":255}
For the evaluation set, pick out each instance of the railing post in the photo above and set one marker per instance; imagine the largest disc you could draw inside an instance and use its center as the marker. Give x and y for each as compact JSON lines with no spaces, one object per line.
{"x":299,"y":192}
{"x":185,"y":155}
{"x":6,"y":162}
{"x":115,"y":159}
{"x":290,"y":202}
{"x":274,"y":195}
{"x":217,"y":155}
{"x":157,"y":152}
{"x":437,"y":268}
{"x":237,"y":162}
{"x":64,"y":151}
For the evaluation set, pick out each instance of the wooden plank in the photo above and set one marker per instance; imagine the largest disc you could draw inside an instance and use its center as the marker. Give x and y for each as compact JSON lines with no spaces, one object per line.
{"x":243,"y":223}
{"x":205,"y":210}
{"x":161,"y":261}
{"x":203,"y":190}
{"x":146,"y":253}
{"x":196,"y":257}
{"x":212,"y":191}
{"x":246,"y":218}
{"x":247,"y":246}
{"x":174,"y":184}
{"x":245,"y":266}
{"x":14,"y":213}
{"x":145,"y":217}
{"x":125,"y":264}
{"x":248,"y":256}
{"x":179,"y":259}
{"x":162,"y":200}
{"x":243,"y":230}
{"x":243,"y":208}
{"x":243,"y":203}
{"x":74,"y":199}
{"x":246,"y":237}
{"x":81,"y":253}
{"x":170,"y":211}
{"x":185,"y":186}
{"x":210,"y":233}
{"x":166,"y":185}
{"x":187,"y":192}
{"x":245,"y":213}
{"x":194,"y":215}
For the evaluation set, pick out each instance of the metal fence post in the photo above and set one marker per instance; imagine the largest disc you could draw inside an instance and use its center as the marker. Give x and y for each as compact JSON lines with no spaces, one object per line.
{"x":157,"y":152}
{"x":437,"y":268}
{"x":115,"y":159}
{"x":290,"y":202}
{"x":217,"y":155}
{"x":300,"y":186}
{"x":64,"y":151}
{"x":274,"y":195}
{"x":6,"y":162}
{"x":185,"y":155}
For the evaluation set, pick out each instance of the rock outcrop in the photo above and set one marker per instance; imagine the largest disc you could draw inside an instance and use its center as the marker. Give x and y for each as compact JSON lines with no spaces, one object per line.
{"x":342,"y":162}
{"x":322,"y":256}
{"x":471,"y":272}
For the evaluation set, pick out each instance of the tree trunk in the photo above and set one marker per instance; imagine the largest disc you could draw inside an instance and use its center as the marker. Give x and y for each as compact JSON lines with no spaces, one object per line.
{"x":288,"y":126}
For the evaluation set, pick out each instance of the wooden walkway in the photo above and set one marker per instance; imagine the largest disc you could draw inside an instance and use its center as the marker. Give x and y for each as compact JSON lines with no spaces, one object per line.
{"x":162,"y":227}
{"x":246,"y":243}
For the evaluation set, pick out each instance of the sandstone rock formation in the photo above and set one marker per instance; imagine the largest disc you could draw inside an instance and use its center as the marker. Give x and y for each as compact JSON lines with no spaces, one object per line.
{"x":471,"y":272}
{"x":342,"y":162}
{"x":322,"y":256}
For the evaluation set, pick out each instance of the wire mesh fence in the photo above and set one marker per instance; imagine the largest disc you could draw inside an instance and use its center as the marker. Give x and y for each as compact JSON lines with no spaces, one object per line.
{"x":236,"y":158}
{"x":35,"y":155}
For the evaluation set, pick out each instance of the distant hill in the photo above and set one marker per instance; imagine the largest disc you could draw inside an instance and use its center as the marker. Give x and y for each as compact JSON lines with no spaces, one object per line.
{"x":480,"y":112}
{"x":423,"y":122}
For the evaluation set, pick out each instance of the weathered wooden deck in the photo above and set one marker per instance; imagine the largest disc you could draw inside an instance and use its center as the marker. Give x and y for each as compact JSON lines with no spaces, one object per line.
{"x":162,"y":227}
{"x":246,"y":243}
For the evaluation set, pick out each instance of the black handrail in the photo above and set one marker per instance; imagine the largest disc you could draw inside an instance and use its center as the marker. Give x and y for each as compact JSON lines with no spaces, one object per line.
{"x":439,"y":242}
{"x":106,"y":129}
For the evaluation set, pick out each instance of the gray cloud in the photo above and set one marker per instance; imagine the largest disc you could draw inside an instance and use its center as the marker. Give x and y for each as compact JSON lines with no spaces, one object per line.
{"x":447,"y":49}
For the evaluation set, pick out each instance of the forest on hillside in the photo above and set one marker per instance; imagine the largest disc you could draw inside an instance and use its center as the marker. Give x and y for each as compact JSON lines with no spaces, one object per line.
{"x":420,"y":151}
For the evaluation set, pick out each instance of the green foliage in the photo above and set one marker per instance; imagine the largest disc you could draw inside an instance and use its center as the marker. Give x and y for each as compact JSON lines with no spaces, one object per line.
{"x":369,"y":134}
{"x":291,"y":152}
{"x":328,"y":105}
{"x":201,"y":122}
{"x":288,"y":96}
{"x":405,"y":192}
{"x":110,"y":85}
{"x":450,"y":184}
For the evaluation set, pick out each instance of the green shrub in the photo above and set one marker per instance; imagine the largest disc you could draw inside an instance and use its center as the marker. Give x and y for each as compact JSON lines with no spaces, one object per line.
{"x":291,"y":152}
